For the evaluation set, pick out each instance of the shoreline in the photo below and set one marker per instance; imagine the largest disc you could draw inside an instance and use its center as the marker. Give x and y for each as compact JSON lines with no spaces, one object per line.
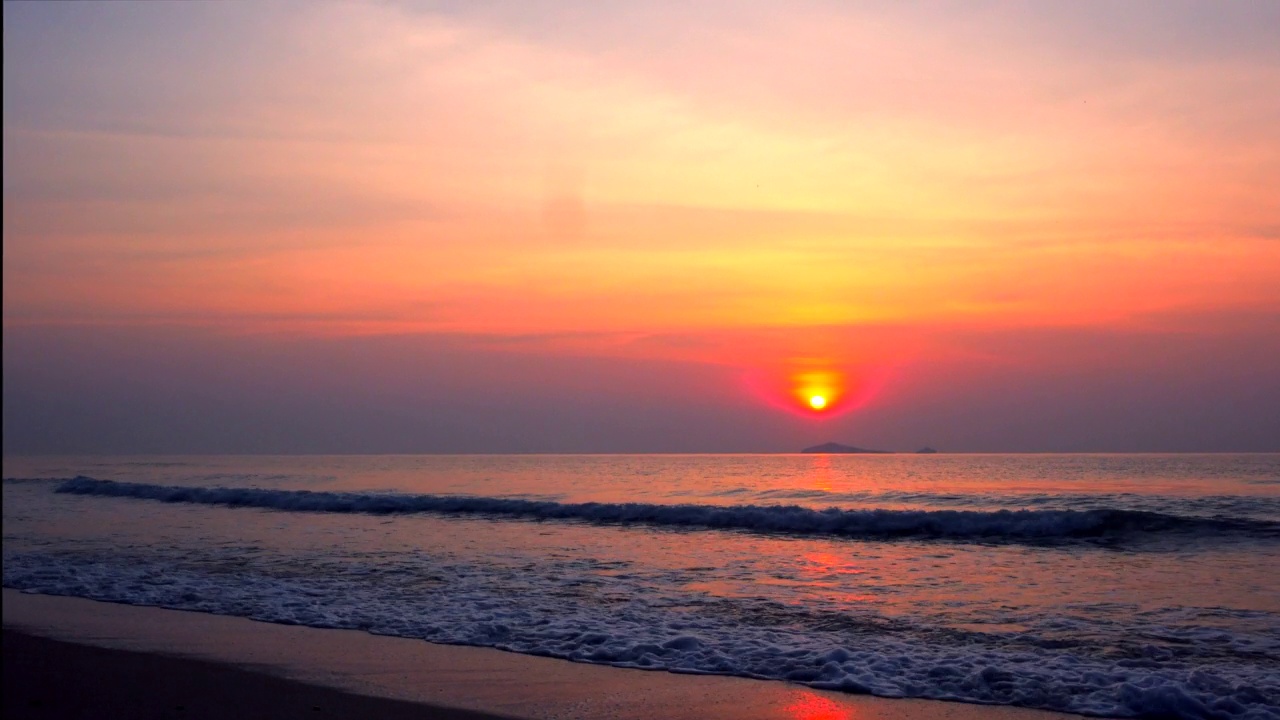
{"x":199,"y":661}
{"x":48,"y":679}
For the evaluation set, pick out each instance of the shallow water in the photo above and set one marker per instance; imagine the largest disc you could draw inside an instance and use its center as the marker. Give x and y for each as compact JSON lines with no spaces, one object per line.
{"x":1123,"y":585}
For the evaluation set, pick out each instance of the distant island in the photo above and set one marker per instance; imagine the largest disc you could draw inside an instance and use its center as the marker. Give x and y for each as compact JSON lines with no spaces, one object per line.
{"x":835,"y":447}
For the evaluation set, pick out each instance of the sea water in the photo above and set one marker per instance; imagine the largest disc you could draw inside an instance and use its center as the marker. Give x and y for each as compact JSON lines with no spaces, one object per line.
{"x":1114,"y":585}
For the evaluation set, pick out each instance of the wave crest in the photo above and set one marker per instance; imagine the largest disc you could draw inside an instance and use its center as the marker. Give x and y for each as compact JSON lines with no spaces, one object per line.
{"x":998,"y":525}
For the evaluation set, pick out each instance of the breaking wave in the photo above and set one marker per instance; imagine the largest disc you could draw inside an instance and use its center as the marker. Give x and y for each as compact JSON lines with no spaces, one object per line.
{"x":995,"y":526}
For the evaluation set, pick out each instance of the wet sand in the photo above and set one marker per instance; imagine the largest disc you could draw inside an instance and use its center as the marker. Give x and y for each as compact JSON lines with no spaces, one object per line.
{"x":58,"y":681}
{"x":76,"y":658}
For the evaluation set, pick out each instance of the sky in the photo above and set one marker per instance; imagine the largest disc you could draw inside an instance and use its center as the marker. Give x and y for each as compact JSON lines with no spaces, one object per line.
{"x":397,"y":227}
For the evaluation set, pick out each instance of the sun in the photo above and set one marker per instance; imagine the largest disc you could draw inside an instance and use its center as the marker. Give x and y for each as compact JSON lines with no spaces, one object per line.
{"x":817,"y":402}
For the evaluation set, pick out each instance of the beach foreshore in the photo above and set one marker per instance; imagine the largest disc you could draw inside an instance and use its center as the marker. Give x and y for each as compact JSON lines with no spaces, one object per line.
{"x":71,"y":657}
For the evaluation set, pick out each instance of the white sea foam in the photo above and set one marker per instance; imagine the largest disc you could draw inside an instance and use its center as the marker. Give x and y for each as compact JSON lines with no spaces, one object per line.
{"x":471,"y":604}
{"x":1132,"y":586}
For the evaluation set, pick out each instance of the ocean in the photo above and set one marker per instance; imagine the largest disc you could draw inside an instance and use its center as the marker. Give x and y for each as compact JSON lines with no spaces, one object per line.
{"x":1111,"y":585}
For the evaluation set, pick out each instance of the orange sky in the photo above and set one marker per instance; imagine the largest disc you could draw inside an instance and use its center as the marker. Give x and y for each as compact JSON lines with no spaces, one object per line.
{"x":845,"y":185}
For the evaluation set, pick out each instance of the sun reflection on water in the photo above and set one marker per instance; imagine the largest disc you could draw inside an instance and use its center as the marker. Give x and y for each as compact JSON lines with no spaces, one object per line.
{"x":809,"y":705}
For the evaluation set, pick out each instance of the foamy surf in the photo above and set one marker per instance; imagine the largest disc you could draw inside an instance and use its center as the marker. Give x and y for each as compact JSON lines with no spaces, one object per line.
{"x":1134,"y":586}
{"x":1196,"y":677}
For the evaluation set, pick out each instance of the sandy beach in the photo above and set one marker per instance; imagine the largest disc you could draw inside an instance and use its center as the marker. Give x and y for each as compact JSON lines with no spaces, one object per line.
{"x":53,"y":679}
{"x":76,"y":658}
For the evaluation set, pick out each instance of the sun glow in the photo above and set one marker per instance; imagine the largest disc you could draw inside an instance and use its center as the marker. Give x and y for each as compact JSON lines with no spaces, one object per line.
{"x":817,"y":390}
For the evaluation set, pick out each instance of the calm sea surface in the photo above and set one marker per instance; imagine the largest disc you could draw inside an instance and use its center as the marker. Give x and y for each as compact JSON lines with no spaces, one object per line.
{"x":1124,"y":585}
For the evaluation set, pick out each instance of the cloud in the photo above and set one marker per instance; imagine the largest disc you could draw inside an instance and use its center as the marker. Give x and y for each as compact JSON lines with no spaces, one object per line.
{"x":664,"y":195}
